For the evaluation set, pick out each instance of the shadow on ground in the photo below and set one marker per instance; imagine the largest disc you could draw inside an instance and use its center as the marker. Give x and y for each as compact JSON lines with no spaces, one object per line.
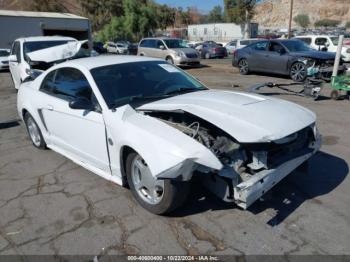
{"x":322,"y":175}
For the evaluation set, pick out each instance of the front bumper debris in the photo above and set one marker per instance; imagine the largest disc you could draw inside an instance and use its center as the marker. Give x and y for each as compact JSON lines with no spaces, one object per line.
{"x":248,"y":192}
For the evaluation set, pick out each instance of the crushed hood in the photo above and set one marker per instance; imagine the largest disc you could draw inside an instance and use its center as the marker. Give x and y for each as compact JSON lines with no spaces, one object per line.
{"x":56,"y":53}
{"x":249,"y":118}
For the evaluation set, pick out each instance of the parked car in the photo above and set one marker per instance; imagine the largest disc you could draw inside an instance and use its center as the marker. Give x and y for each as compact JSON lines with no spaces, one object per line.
{"x":99,"y":47}
{"x":212,"y":50}
{"x":240,"y":43}
{"x":117,"y":48}
{"x":39,"y":52}
{"x":325,"y":43}
{"x":173,"y":50}
{"x":132,"y":49}
{"x":285,"y":57}
{"x":146,"y":123}
{"x":4,"y":61}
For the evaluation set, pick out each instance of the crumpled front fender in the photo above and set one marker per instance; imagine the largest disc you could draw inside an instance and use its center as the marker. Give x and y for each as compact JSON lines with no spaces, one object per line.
{"x":167,"y":151}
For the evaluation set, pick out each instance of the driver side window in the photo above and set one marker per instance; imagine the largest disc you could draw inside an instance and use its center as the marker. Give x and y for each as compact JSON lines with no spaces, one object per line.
{"x":159,"y":44}
{"x":276,"y":47}
{"x":67,"y":84}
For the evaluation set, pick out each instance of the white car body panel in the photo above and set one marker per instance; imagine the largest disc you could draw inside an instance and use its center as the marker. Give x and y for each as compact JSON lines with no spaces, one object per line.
{"x":96,"y":140}
{"x":56,"y":53}
{"x":246,"y":117}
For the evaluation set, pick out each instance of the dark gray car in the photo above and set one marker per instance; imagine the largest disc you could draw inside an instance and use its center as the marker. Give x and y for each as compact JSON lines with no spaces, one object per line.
{"x":285,"y":57}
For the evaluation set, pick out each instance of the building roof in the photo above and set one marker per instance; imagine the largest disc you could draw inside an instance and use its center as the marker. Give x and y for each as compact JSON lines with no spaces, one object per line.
{"x":39,"y":14}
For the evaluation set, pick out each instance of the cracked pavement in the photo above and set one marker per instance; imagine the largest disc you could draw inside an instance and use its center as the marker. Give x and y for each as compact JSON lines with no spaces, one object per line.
{"x":49,"y":205}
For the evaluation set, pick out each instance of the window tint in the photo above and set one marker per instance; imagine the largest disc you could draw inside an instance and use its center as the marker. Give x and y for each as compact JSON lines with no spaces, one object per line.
{"x":321,"y":41}
{"x":260,"y":46}
{"x":71,"y":83}
{"x":159,"y":43}
{"x":119,"y":84}
{"x":305,"y":40}
{"x":47,"y":85}
{"x":275,"y":47}
{"x":148,"y":43}
{"x":4,"y":53}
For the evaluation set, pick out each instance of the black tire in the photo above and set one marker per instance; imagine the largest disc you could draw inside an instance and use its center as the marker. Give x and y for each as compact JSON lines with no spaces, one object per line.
{"x":243,"y":66}
{"x":170,"y":60}
{"x":298,"y":72}
{"x":28,"y":119}
{"x":174,"y":193}
{"x":335,"y":94}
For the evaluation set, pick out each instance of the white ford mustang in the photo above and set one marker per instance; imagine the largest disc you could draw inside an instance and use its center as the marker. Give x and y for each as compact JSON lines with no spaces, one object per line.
{"x":143,"y":122}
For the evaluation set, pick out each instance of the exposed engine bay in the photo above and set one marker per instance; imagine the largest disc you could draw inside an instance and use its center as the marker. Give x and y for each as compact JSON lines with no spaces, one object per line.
{"x":240,"y":161}
{"x":249,"y":169}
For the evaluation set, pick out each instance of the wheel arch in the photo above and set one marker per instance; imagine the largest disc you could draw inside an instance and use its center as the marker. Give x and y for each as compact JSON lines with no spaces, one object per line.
{"x":123,"y":155}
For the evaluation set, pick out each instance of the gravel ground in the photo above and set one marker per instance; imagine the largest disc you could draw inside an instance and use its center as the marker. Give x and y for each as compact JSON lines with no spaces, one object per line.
{"x":49,"y":205}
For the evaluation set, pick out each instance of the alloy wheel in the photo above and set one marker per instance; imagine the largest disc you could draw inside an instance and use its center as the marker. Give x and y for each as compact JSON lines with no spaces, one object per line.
{"x":147,"y":187}
{"x":298,"y":72}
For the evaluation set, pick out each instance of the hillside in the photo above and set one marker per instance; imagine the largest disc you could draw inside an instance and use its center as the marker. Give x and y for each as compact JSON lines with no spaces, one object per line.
{"x":275,"y":13}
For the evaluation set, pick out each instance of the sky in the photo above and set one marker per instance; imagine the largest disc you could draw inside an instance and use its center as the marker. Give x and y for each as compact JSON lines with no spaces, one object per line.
{"x":202,"y":5}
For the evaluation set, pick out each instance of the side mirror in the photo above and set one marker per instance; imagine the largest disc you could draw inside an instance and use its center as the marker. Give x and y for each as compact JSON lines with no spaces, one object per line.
{"x":162,"y":47}
{"x":12,"y":58}
{"x":81,"y":103}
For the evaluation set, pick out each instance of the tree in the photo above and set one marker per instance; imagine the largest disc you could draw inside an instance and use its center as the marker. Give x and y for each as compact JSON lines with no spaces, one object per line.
{"x":327,"y":23}
{"x":347,"y":25}
{"x":240,"y":12}
{"x":47,"y":6}
{"x":215,"y":15}
{"x":101,"y":12}
{"x":302,"y":20}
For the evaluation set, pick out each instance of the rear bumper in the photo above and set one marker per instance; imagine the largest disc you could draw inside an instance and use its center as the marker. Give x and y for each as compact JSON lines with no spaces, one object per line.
{"x":248,"y":192}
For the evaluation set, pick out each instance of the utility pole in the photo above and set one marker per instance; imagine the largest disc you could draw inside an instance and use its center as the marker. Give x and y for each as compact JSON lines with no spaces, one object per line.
{"x":290,"y":20}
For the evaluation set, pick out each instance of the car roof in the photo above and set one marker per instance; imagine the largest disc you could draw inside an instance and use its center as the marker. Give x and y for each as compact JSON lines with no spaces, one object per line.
{"x":44,"y":38}
{"x":105,"y":60}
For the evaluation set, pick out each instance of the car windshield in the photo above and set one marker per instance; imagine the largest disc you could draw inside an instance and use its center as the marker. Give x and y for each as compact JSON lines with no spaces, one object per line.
{"x":175,"y":43}
{"x":4,"y":53}
{"x":140,"y":82}
{"x":29,"y":47}
{"x":335,"y":40}
{"x":296,"y":46}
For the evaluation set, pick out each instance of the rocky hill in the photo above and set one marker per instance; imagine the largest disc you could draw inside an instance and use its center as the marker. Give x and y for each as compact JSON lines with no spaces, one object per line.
{"x":275,"y":13}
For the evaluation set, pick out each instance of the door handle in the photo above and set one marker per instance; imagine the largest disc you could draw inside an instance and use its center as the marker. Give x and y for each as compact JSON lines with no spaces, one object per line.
{"x":50,"y":107}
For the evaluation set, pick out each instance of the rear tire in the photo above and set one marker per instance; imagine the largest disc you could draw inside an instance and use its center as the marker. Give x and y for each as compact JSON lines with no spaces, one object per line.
{"x":169,"y":196}
{"x":34,"y":132}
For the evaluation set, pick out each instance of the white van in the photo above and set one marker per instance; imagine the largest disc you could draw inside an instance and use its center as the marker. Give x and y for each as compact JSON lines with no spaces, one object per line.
{"x":325,"y":43}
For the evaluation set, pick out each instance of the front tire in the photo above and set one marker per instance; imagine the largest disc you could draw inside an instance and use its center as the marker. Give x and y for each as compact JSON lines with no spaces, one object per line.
{"x":34,"y":132}
{"x":170,"y":60}
{"x":298,"y":72}
{"x":157,"y":196}
{"x":243,"y":66}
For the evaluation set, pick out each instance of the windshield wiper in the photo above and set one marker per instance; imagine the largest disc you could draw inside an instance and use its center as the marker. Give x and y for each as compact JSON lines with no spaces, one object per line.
{"x":183,"y":90}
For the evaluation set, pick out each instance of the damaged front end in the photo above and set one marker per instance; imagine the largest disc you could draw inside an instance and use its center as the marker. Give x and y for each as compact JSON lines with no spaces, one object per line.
{"x":320,"y":68}
{"x":248,"y":169}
